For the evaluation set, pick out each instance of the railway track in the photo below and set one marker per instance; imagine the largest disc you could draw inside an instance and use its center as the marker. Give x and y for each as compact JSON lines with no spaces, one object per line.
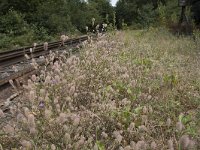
{"x":12,"y":57}
{"x":16,"y":57}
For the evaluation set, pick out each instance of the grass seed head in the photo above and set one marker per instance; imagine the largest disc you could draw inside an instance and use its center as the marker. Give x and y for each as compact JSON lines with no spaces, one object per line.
{"x":184,"y":141}
{"x":170,"y":144}
{"x":179,"y":126}
{"x":141,"y":145}
{"x":2,"y":114}
{"x":53,"y":147}
{"x":31,"y":121}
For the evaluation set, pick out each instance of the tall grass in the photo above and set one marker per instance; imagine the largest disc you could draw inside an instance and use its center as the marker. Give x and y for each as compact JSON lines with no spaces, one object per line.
{"x":131,"y":90}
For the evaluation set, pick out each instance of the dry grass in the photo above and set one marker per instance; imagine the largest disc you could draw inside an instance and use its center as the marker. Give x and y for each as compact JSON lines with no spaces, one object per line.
{"x":134,"y":90}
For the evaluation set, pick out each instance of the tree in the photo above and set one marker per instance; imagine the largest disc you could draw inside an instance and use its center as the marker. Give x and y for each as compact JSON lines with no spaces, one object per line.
{"x":134,"y":12}
{"x":54,"y":15}
{"x":103,"y":8}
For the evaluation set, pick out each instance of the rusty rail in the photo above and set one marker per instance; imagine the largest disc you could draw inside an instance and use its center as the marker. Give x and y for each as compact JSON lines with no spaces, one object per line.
{"x":12,"y":57}
{"x":9,"y":58}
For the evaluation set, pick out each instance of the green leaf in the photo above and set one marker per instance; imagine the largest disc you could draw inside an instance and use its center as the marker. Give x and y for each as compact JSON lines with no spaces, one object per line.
{"x":100,"y":145}
{"x":129,"y":91}
{"x":138,"y":110}
{"x":180,"y":117}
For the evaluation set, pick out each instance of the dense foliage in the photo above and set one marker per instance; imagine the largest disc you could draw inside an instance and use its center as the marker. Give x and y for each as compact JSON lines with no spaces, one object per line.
{"x":142,"y":13}
{"x":24,"y":22}
{"x":40,"y":19}
{"x":124,"y":92}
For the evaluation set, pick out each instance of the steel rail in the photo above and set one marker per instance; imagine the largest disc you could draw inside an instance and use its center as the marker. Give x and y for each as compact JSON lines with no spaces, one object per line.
{"x":12,"y":57}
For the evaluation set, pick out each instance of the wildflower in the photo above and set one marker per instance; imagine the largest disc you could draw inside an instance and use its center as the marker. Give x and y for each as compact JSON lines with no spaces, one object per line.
{"x":145,"y":110}
{"x":80,"y":142}
{"x":26,"y":56}
{"x":53,"y":147}
{"x":9,"y":129}
{"x":170,"y":145}
{"x":62,"y":118}
{"x":95,"y":147}
{"x":1,"y":114}
{"x":144,"y":119}
{"x":81,"y":77}
{"x":34,"y":45}
{"x":65,"y":128}
{"x":26,"y":144}
{"x":131,"y":126}
{"x":34,"y":63}
{"x":62,"y":38}
{"x":58,"y":108}
{"x":121,"y":148}
{"x":33,"y":131}
{"x":117,"y":136}
{"x":55,"y":100}
{"x":191,"y":145}
{"x":142,"y":128}
{"x":45,"y":46}
{"x":168,"y":123}
{"x":125,"y":76}
{"x":179,"y":126}
{"x":132,"y":144}
{"x":31,"y":50}
{"x":125,"y":101}
{"x":153,"y":145}
{"x":68,"y":99}
{"x":75,"y":95}
{"x":105,"y":135}
{"x":32,"y":95}
{"x":93,"y":20}
{"x":67,"y":138}
{"x":41,"y":104}
{"x":15,"y":68}
{"x":42,"y":57}
{"x":133,"y":83}
{"x":44,"y":146}
{"x":31,"y":121}
{"x":97,"y":27}
{"x":30,"y":84}
{"x":42,"y":92}
{"x":150,"y":109}
{"x":47,"y":113}
{"x":72,"y":89}
{"x":86,"y":28}
{"x":12,"y":84}
{"x":26,"y":111}
{"x":184,"y":141}
{"x":66,"y":37}
{"x":141,"y":145}
{"x":57,"y":78}
{"x":76,"y":121}
{"x":12,"y":110}
{"x":127,"y":147}
{"x":149,"y":97}
{"x":50,"y":134}
{"x":21,"y":118}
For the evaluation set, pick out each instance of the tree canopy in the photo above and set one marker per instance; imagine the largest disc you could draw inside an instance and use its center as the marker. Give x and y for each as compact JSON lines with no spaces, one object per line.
{"x":55,"y":15}
{"x":42,"y":18}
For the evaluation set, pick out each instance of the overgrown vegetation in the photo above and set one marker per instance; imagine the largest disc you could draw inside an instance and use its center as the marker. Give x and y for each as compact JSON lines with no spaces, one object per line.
{"x":130,"y":90}
{"x":143,"y":14}
{"x":25,"y":22}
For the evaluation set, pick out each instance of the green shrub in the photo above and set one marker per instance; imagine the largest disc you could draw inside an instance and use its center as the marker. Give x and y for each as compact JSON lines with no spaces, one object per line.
{"x":13,"y":23}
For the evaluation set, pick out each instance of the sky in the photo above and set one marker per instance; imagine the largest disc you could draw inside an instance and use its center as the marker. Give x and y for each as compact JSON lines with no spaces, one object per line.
{"x":114,"y":2}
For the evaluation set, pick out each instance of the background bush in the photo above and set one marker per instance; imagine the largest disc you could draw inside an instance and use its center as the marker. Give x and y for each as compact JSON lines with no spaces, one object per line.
{"x":40,"y":20}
